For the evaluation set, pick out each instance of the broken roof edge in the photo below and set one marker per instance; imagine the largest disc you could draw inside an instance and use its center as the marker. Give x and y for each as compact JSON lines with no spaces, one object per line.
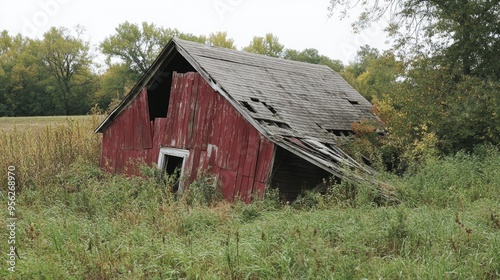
{"x":336,"y":169}
{"x":143,"y":81}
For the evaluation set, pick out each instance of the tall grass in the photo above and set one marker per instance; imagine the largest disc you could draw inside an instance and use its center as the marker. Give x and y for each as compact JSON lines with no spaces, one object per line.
{"x":455,"y":180}
{"x":39,"y":153}
{"x":77,"y":222}
{"x":112,"y":227}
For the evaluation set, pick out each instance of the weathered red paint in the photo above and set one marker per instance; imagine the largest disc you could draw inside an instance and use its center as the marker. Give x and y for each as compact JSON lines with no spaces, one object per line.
{"x":200,"y":120}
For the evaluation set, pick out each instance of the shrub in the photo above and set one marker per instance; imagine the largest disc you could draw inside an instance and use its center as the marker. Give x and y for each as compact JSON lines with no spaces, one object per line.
{"x":205,"y":190}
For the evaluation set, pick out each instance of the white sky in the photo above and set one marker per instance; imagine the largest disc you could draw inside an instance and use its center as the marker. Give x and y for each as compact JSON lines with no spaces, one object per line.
{"x":298,"y":24}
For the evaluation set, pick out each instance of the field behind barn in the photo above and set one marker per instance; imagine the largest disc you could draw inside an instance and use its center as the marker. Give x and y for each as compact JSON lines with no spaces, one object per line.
{"x":76,"y":222}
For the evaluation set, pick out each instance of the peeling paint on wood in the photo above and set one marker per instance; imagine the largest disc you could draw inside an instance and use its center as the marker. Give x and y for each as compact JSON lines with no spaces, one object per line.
{"x":200,"y":120}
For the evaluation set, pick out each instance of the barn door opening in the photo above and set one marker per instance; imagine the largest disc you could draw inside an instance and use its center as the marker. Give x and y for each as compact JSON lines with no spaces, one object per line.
{"x":171,"y":162}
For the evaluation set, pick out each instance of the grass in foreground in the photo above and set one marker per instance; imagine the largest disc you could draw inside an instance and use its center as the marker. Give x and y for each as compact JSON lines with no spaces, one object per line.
{"x":79,"y":223}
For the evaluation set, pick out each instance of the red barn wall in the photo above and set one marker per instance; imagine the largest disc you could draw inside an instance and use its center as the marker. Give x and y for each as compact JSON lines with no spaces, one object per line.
{"x":199,"y":120}
{"x":128,"y":139}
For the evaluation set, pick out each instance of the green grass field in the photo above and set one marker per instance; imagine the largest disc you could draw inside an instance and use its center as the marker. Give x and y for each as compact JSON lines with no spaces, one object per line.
{"x":76,"y":222}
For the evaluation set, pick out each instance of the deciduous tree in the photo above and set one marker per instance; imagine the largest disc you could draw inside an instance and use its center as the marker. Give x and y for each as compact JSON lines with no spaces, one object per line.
{"x":67,"y":59}
{"x":268,"y":45}
{"x":312,"y":56}
{"x":220,"y":39}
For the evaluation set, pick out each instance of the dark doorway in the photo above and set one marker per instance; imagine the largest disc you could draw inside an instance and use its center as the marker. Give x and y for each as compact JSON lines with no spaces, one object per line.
{"x":172,"y":166}
{"x":293,"y":175}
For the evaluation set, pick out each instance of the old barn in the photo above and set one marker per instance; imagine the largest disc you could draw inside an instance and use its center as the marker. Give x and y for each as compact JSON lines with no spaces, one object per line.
{"x":252,"y":120}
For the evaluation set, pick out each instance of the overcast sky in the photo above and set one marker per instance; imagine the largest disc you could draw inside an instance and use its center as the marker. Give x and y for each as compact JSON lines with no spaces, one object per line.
{"x":298,"y":24}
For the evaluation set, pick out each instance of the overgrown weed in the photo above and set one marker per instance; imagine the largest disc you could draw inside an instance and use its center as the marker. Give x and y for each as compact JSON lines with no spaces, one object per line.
{"x":79,"y":222}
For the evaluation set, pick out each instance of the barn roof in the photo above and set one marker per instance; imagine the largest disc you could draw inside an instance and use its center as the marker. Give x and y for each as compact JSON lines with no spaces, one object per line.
{"x":302,"y":107}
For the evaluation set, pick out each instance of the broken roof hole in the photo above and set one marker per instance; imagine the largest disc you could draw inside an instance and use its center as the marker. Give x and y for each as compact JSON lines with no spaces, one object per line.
{"x":283,"y":125}
{"x":339,"y":133}
{"x":270,"y":108}
{"x":248,"y":106}
{"x":353,"y":102}
{"x":254,"y":99}
{"x":274,"y":123}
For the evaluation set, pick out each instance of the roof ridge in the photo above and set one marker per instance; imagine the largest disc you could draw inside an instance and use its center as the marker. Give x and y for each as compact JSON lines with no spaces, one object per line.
{"x":277,"y":59}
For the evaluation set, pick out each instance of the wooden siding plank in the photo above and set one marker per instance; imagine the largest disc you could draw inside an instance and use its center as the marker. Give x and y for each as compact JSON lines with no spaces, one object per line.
{"x":247,"y":196}
{"x":202,"y":111}
{"x":193,"y":112}
{"x":196,"y":157}
{"x":253,"y":147}
{"x":210,"y":121}
{"x":237,"y":185}
{"x":125,"y":123}
{"x":244,"y":187}
{"x":203,"y":165}
{"x":147,"y":132}
{"x":108,"y":155}
{"x":264,"y":160}
{"x":235,"y":134}
{"x":228,"y":180}
{"x":183,"y":121}
{"x":137,"y":123}
{"x":259,"y":189}
{"x":173,"y":109}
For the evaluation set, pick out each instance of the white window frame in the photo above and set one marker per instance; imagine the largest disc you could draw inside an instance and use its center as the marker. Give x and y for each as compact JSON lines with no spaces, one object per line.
{"x":176,"y":153}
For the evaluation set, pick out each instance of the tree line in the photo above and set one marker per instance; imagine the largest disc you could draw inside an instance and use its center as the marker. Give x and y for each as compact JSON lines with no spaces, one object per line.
{"x":57,"y":74}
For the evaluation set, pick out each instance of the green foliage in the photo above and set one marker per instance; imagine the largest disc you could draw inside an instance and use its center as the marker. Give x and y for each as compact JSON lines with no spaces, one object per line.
{"x":307,"y":200}
{"x":115,"y":83}
{"x":441,"y":93}
{"x":205,"y":190}
{"x":137,"y":46}
{"x":45,"y":77}
{"x":312,"y":56}
{"x":220,"y":39}
{"x":458,"y":179}
{"x":425,"y":110}
{"x":373,"y":75}
{"x":461,"y":111}
{"x":271,"y":200}
{"x":67,"y":59}
{"x":462,"y":34}
{"x":268,"y":45}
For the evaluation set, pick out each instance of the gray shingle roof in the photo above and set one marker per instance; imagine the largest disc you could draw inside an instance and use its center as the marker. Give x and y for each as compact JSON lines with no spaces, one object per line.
{"x":286,"y":97}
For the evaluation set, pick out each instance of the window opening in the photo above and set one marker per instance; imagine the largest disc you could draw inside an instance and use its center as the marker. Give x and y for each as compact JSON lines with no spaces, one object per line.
{"x":171,"y":162}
